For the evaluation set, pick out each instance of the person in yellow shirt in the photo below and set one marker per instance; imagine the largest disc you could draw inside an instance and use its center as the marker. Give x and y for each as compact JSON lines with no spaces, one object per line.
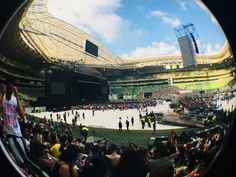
{"x":84,"y":132}
{"x":55,"y":150}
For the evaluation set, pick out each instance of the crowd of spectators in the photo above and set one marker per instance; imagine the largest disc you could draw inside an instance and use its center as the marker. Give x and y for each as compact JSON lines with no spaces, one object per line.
{"x":159,"y":93}
{"x":53,"y":150}
{"x":165,"y":91}
{"x":118,"y":106}
{"x":205,"y":101}
{"x":208,"y":109}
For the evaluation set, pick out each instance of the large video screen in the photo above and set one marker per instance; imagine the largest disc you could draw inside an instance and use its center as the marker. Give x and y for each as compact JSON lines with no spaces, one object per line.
{"x":91,"y":48}
{"x":57,"y":88}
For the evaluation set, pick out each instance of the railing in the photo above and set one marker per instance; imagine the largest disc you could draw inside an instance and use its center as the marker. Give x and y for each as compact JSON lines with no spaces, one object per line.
{"x":14,"y":165}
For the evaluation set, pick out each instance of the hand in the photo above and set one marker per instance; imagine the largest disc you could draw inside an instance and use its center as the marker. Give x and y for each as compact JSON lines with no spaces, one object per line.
{"x":15,"y":90}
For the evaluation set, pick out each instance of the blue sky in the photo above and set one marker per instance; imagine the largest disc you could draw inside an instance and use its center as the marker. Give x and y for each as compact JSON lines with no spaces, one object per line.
{"x":140,"y":29}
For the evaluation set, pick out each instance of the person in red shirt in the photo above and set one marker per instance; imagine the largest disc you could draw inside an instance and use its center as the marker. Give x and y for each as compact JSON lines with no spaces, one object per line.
{"x":172,"y":137}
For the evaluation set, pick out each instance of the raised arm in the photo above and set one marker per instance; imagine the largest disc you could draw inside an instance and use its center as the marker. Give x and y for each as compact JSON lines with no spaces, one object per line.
{"x":21,"y":111}
{"x":1,"y":98}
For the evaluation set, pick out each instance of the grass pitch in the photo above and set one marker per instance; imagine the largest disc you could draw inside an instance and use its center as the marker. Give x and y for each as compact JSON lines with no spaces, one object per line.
{"x":139,"y":137}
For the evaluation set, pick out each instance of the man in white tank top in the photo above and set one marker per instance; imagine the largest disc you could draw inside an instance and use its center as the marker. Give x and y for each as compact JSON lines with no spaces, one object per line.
{"x":11,"y":106}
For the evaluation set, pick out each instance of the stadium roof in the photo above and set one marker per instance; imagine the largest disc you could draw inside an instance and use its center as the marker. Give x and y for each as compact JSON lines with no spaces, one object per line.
{"x":35,"y":37}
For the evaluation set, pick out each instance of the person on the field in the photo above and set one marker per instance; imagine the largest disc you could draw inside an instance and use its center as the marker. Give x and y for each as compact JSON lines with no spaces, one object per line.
{"x":64,"y":116}
{"x":120,"y":125}
{"x":127,"y":124}
{"x":143,"y":122}
{"x":11,"y":107}
{"x":93,"y":112}
{"x":58,"y":117}
{"x":149,"y":121}
{"x":51,"y":117}
{"x":132,"y":121}
{"x":78,"y":115}
{"x":154,"y":127}
{"x":72,"y":111}
{"x":75,"y":118}
{"x":83,"y":115}
{"x":73,"y":121}
{"x":84,"y":133}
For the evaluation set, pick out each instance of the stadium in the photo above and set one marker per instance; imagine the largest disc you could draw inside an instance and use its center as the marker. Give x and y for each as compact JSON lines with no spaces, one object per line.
{"x":67,"y":80}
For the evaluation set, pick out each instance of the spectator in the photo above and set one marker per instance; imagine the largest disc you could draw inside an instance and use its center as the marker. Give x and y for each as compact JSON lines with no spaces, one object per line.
{"x":129,"y":165}
{"x":153,"y":154}
{"x":26,"y":136}
{"x":97,"y":165}
{"x":172,"y":138}
{"x":88,"y":149}
{"x":66,"y":166}
{"x":57,"y":148}
{"x":158,"y":162}
{"x":114,"y":155}
{"x":38,"y":155}
{"x":11,"y":105}
{"x":163,"y":171}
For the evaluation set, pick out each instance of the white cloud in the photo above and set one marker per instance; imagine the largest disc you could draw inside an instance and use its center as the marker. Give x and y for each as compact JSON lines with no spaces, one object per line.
{"x":94,"y":17}
{"x":166,"y":19}
{"x":218,"y":46}
{"x":154,"y":50}
{"x":182,"y":4}
{"x":211,"y":50}
{"x":186,"y":4}
{"x":204,"y":8}
{"x":173,"y":21}
{"x":158,"y":13}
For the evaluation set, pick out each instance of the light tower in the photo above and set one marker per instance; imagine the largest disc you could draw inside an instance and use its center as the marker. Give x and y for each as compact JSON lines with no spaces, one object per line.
{"x":189,"y":43}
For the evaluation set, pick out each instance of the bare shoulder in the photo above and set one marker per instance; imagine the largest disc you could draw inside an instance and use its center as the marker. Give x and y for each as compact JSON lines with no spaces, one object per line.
{"x":64,"y":170}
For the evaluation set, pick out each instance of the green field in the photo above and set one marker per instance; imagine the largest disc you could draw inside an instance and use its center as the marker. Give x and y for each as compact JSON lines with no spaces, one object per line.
{"x":139,"y":137}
